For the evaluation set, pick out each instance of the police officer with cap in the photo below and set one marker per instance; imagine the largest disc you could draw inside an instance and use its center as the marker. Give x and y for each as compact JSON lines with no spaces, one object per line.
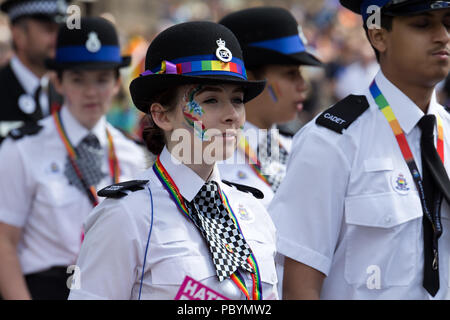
{"x":26,"y":93}
{"x":274,"y":48}
{"x":363,"y":212}
{"x":51,"y":170}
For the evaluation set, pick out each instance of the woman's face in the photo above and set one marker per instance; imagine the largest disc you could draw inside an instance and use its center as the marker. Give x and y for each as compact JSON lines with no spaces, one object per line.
{"x":206,"y":122}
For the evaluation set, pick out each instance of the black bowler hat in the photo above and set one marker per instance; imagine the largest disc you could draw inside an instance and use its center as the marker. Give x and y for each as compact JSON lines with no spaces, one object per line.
{"x":269,"y":35}
{"x":95,"y":45}
{"x":192,"y":52}
{"x":51,"y":10}
{"x":394,"y":7}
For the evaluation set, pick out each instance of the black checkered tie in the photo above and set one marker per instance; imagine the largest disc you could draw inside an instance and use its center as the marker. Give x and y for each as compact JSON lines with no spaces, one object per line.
{"x":267,"y":159}
{"x":89,"y":161}
{"x":227,"y":245}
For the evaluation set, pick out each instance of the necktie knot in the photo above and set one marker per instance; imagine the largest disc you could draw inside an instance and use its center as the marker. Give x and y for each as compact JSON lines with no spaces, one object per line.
{"x":91,"y":141}
{"x":427,"y":124}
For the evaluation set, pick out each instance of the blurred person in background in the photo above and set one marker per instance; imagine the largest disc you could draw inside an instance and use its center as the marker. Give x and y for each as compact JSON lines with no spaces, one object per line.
{"x":273,"y":50}
{"x":51,"y":170}
{"x":26,"y":93}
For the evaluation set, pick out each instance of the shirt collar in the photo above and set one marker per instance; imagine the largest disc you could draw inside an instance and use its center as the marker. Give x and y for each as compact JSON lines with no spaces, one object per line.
{"x":27,"y":79}
{"x":187,"y":181}
{"x":76,"y":131}
{"x":406,"y":111}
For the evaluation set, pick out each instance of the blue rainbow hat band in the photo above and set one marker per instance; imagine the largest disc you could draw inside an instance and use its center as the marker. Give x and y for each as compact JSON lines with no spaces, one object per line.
{"x":200,"y":65}
{"x":73,"y":54}
{"x":401,"y":7}
{"x":285,"y":45}
{"x":366,"y":4}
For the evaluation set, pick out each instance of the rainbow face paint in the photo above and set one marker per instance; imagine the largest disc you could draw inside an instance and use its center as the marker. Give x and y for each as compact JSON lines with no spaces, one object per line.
{"x":274,"y":91}
{"x":192,"y":111}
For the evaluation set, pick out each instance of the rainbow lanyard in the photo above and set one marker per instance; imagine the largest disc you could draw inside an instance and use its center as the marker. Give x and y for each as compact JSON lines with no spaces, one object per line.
{"x":114,"y":168}
{"x":252,"y":158}
{"x":409,"y":158}
{"x":176,"y":196}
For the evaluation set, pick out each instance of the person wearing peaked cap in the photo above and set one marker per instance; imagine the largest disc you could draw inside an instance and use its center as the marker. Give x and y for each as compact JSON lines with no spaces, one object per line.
{"x":180,"y":219}
{"x":27,"y":93}
{"x":363,"y":212}
{"x":274,"y":49}
{"x":55,"y":166}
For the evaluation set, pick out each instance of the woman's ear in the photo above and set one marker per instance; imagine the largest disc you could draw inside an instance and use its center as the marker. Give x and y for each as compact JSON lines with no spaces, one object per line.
{"x":378,"y":38}
{"x":160,"y":117}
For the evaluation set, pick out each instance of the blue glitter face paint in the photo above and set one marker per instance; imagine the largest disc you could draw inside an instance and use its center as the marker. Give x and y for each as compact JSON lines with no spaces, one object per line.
{"x":191,"y":111}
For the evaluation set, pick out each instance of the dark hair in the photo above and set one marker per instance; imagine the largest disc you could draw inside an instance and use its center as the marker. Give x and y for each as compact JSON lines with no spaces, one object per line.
{"x":153,"y":135}
{"x":386,"y":23}
{"x":258,"y":72}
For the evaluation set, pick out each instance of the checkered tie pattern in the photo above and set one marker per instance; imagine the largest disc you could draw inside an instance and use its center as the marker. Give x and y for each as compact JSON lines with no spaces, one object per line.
{"x":89,"y":161}
{"x":227,"y":245}
{"x":267,"y":160}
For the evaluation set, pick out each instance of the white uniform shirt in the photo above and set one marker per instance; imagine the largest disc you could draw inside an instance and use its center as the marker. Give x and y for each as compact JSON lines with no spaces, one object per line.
{"x":341,"y":211}
{"x":236,"y":169}
{"x":36,"y":196}
{"x":119,"y":231}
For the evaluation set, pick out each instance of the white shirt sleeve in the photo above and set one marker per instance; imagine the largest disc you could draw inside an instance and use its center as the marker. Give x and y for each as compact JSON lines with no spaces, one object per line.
{"x":108,"y":260}
{"x":308,"y":207}
{"x":16,"y":187}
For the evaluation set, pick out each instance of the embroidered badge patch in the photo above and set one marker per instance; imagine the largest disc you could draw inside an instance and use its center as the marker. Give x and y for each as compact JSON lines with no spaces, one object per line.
{"x":245,"y":214}
{"x":400,"y":183}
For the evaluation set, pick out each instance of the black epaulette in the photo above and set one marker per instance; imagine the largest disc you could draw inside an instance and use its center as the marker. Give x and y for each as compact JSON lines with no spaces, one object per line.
{"x":343,"y":114}
{"x":116,"y":191}
{"x":256,"y":192}
{"x":26,"y":130}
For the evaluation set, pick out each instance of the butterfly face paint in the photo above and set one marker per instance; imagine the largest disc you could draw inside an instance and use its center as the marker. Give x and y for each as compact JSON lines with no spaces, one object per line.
{"x":192,"y":111}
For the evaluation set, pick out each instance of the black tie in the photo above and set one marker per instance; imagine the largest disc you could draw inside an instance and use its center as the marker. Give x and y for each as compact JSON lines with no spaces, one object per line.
{"x":434,"y":180}
{"x":38,"y":113}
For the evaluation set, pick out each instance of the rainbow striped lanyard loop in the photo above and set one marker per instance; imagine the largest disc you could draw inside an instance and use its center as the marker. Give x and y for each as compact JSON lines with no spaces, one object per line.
{"x":176,"y":196}
{"x":114,"y":168}
{"x":386,"y":109}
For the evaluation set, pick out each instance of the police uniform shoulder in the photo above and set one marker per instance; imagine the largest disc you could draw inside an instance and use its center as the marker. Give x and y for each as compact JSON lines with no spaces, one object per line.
{"x":341,"y":115}
{"x":127,"y":136}
{"x":258,"y":194}
{"x":26,"y":130}
{"x":117,"y":190}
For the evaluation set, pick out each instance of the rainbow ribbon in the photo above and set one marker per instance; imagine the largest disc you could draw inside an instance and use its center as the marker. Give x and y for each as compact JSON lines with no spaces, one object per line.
{"x":176,"y":196}
{"x":199,"y":67}
{"x":252,"y":158}
{"x":398,"y":131}
{"x":114,"y":167}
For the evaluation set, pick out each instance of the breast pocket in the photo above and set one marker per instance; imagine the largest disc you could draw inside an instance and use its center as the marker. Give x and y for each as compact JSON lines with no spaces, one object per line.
{"x":382,"y":239}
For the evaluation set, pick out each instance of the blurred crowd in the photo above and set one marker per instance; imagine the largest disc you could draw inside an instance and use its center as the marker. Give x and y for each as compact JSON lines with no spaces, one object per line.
{"x":333,"y":33}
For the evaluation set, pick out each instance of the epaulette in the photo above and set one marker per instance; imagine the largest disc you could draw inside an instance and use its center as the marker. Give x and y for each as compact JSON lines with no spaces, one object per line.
{"x":25,"y":130}
{"x":116,"y":191}
{"x":132,"y":137}
{"x":256,"y":192}
{"x":343,"y":114}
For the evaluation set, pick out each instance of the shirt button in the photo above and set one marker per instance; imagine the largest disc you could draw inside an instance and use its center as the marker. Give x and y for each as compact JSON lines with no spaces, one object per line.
{"x":387,"y":219}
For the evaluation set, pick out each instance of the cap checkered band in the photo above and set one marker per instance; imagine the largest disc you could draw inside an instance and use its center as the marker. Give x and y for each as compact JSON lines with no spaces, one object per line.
{"x":226,"y":243}
{"x":37,"y":7}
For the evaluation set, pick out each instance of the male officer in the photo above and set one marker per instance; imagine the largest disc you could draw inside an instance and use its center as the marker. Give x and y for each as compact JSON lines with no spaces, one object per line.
{"x":363,"y":212}
{"x":26,"y":94}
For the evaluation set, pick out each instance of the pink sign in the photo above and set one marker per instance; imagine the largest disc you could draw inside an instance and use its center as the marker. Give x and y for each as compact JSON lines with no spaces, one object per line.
{"x":193,"y":290}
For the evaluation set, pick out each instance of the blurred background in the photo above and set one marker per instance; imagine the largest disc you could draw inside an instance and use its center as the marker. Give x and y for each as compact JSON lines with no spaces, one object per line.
{"x":334,"y":34}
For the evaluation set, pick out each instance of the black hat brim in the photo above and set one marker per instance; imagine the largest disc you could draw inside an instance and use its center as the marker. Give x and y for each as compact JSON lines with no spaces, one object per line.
{"x":144,"y":88}
{"x":353,"y":5}
{"x":90,"y":65}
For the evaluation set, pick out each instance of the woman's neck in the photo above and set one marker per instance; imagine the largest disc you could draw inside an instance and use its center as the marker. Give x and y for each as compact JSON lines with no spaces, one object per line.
{"x":203,"y":170}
